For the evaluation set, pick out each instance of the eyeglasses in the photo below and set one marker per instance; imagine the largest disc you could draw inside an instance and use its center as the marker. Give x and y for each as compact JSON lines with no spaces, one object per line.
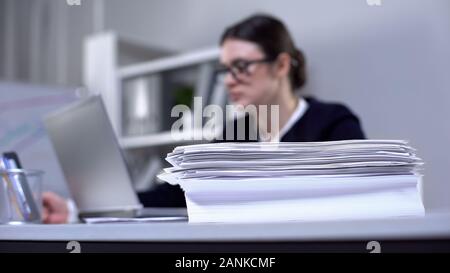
{"x":240,"y":67}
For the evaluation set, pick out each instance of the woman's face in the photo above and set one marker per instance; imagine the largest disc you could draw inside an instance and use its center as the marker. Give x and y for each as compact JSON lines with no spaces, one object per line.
{"x":252,"y":79}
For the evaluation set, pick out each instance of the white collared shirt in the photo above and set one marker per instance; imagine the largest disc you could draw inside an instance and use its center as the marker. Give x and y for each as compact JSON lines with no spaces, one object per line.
{"x":301,"y":109}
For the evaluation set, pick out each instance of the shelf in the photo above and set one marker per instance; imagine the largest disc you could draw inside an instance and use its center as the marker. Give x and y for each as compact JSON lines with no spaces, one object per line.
{"x":108,"y":70}
{"x":168,"y":63}
{"x":162,"y":139}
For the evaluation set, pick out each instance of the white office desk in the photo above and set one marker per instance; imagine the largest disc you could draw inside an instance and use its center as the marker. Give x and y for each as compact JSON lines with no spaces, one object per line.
{"x":431,"y":231}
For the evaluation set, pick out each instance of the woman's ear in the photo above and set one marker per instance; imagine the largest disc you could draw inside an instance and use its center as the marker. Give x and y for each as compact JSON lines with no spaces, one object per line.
{"x":283,"y":64}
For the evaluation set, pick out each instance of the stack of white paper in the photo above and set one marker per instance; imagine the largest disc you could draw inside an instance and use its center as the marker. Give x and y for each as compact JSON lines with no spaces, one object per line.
{"x":260,"y":182}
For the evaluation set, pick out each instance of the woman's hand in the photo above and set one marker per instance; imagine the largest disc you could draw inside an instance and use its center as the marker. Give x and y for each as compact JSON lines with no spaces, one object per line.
{"x":55,"y":210}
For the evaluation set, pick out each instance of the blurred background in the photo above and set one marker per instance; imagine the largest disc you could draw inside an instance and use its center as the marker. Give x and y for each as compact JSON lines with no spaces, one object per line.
{"x":390,"y":63}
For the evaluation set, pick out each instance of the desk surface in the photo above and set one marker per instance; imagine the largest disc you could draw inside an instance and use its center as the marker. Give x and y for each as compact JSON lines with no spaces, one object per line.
{"x":431,"y":227}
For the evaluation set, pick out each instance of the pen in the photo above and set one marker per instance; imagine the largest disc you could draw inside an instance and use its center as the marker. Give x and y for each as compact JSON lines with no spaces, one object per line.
{"x":16,"y":191}
{"x":10,"y":190}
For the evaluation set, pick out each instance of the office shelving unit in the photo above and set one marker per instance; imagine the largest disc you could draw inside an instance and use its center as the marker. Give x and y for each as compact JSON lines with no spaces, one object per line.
{"x":104,"y":75}
{"x":111,"y":61}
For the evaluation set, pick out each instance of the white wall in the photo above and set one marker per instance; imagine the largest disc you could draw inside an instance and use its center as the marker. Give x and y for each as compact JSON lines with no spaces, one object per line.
{"x":390,"y":64}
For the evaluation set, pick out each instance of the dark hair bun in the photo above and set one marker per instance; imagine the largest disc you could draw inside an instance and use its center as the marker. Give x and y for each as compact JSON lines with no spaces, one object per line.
{"x":298,"y":69}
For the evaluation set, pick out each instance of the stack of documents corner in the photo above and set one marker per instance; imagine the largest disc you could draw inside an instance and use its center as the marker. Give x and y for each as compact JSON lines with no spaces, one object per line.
{"x":267,"y":182}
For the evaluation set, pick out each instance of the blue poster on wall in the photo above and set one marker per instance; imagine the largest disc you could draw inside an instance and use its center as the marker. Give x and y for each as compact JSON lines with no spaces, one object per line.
{"x":22,"y":107}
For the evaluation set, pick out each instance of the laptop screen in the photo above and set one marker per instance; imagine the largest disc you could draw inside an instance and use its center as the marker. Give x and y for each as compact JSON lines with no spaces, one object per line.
{"x":90,"y":157}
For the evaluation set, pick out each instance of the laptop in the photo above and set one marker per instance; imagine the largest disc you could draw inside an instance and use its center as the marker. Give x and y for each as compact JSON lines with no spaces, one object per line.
{"x":93,"y":163}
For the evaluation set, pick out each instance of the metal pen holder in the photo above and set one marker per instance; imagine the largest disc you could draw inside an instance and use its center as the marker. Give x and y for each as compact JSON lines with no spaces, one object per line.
{"x":20,"y":196}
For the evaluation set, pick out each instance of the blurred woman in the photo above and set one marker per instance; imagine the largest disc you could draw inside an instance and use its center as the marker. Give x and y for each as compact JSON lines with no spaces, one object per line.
{"x":265,"y":68}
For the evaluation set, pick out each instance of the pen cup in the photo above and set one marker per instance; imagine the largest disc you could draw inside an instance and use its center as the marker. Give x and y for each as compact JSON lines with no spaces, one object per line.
{"x":20,"y":196}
